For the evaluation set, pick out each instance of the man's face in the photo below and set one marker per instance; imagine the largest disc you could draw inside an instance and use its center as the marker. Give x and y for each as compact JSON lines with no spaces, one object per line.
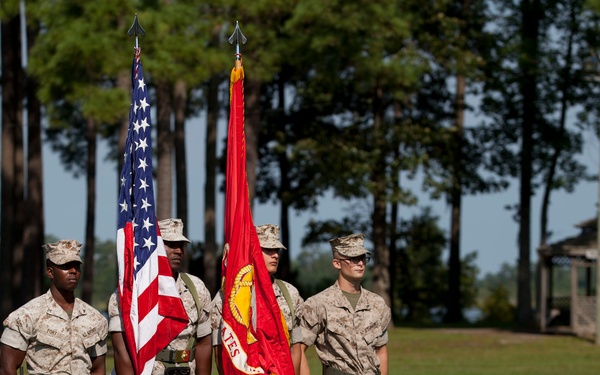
{"x":65,"y":277}
{"x":271,"y":257}
{"x":175,"y":254}
{"x":352,"y":268}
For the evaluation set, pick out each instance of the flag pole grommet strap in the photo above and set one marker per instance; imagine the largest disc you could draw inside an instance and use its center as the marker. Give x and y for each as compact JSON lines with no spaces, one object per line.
{"x":174,"y":356}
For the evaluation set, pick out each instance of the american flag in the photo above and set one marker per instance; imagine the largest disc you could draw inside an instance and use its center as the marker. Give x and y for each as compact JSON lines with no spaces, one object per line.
{"x":151,"y":308}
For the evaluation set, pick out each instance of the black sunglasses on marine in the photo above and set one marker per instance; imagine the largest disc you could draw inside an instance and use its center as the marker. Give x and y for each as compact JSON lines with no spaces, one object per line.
{"x":355,"y":260}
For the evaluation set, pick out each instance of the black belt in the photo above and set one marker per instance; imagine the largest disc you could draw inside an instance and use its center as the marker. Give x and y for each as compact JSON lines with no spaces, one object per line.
{"x":174,"y":356}
{"x":327,"y":370}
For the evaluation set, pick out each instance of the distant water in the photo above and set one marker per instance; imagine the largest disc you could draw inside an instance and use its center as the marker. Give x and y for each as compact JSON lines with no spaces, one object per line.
{"x":471,"y":314}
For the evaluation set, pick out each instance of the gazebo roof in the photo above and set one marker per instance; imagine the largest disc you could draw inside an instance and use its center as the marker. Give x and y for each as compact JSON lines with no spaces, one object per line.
{"x":579,"y":245}
{"x":589,"y":223}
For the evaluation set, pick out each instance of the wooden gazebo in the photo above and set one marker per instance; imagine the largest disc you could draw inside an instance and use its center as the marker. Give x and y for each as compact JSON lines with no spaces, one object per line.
{"x":573,"y":309}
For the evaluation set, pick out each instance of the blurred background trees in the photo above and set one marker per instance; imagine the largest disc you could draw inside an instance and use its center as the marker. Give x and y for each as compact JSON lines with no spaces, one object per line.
{"x":357,"y":99}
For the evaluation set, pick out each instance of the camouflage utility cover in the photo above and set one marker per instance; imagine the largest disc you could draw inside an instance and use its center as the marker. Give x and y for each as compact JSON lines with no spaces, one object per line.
{"x":63,"y":252}
{"x":198,"y":326}
{"x":172,"y":230}
{"x":53,"y":342}
{"x":349,"y":246}
{"x":346,"y":338}
{"x":268,"y":236}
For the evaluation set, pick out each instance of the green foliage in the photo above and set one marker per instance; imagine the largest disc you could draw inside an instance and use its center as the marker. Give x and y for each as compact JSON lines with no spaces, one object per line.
{"x":593,"y":5}
{"x":178,"y":45}
{"x":496,"y":307}
{"x":105,"y":277}
{"x":76,"y":61}
{"x":561,"y":85}
{"x":468,"y":282}
{"x":315,"y":271}
{"x":506,"y":277}
{"x":346,"y":62}
{"x":421,"y":273}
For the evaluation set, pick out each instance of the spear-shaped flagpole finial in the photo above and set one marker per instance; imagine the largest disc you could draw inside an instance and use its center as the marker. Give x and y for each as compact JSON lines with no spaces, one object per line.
{"x":136,"y":29}
{"x":236,"y":38}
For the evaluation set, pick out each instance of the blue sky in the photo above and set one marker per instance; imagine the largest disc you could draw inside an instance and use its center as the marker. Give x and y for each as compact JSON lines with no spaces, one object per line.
{"x":486,"y":226}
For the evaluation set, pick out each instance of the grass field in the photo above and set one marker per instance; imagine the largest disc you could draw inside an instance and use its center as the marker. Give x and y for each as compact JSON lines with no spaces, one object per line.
{"x":481,"y":351}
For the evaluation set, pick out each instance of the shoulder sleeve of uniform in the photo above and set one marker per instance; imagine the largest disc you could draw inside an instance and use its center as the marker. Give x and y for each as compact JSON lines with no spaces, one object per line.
{"x":14,"y":339}
{"x":216,"y":308}
{"x":385,"y":314}
{"x":20,"y":325}
{"x":102,"y":323}
{"x":384,"y":310}
{"x":115,"y":324}
{"x":216,"y":317}
{"x":312,"y":320}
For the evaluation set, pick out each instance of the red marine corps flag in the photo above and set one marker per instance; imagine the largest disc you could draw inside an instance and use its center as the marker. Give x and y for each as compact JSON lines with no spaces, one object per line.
{"x":254,"y":334}
{"x":151,"y":309}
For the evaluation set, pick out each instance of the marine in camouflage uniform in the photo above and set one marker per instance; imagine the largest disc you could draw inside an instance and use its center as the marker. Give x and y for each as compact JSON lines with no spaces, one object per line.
{"x":347,"y":323}
{"x":191,"y":348}
{"x":56,"y":333}
{"x":268,"y":236}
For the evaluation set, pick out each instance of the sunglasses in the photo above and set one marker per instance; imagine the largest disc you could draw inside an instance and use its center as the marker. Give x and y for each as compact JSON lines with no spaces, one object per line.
{"x":355,"y":260}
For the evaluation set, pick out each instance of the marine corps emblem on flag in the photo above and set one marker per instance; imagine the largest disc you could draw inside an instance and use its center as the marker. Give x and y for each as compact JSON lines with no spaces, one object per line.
{"x":241,"y":295}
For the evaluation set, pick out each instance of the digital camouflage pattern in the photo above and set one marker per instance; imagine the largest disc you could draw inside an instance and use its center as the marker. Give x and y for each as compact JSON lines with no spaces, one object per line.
{"x":346,"y":338}
{"x":53,"y":342}
{"x":198,"y":326}
{"x":268,"y":236}
{"x":172,"y":230}
{"x":349,"y":246}
{"x":216,"y":314}
{"x":63,"y":251}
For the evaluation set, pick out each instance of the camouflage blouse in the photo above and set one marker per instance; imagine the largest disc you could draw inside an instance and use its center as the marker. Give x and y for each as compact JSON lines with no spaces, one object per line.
{"x":346,"y":338}
{"x":54,"y":342}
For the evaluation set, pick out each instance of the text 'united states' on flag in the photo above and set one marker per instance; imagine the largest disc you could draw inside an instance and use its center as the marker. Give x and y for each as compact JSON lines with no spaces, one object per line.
{"x":151,"y":308}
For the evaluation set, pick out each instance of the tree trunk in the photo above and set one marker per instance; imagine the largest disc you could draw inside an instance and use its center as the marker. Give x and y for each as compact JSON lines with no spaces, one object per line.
{"x":530,"y":49}
{"x":11,"y":120}
{"x":179,"y":106}
{"x":90,"y":246}
{"x":284,"y":269}
{"x":33,"y":237}
{"x":454,"y":301}
{"x":557,"y":143}
{"x":18,"y":222}
{"x":164,"y":152}
{"x":210,"y":236}
{"x":394,"y":225}
{"x":381,"y":254}
{"x":252,"y":126}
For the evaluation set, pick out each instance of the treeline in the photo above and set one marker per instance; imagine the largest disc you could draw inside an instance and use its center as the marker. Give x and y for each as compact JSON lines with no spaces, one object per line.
{"x":351,"y":98}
